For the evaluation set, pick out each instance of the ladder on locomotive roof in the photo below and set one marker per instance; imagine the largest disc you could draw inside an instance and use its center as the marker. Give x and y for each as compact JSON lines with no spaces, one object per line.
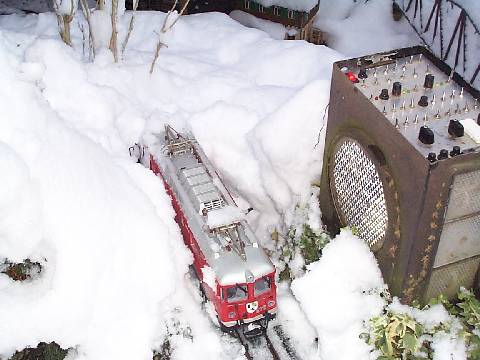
{"x":201,"y":189}
{"x":196,"y":177}
{"x":176,"y":143}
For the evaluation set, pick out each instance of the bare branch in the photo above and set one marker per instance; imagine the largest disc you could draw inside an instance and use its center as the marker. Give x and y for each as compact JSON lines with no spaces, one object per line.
{"x":64,"y":21}
{"x":130,"y":25}
{"x":157,"y":52}
{"x":86,"y":14}
{"x":168,"y":15}
{"x":166,"y":28}
{"x":113,"y":39}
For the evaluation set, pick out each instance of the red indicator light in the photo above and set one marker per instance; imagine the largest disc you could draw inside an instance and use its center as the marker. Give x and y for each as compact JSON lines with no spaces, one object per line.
{"x":351,"y":76}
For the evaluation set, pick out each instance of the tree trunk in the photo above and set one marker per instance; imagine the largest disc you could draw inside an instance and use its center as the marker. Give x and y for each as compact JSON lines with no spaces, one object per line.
{"x":113,"y":39}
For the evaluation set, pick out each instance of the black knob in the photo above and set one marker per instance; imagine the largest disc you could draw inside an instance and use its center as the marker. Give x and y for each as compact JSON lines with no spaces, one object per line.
{"x":432,"y":157}
{"x":455,"y":151}
{"x":423,"y":101}
{"x":443,"y":154}
{"x":384,"y":94}
{"x":455,"y":128}
{"x":429,"y":80}
{"x":397,"y":89}
{"x":478,"y":119}
{"x":362,"y":74}
{"x":426,"y":135}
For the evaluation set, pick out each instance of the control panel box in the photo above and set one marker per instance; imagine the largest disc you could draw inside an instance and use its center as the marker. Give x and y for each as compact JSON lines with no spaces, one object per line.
{"x":402,"y":166}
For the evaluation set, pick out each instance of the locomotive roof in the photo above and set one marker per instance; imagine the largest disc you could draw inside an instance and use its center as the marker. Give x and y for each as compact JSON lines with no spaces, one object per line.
{"x":231,"y":269}
{"x":231,"y":261}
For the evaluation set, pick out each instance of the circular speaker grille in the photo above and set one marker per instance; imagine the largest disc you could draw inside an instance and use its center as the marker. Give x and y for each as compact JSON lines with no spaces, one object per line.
{"x":358,"y":192}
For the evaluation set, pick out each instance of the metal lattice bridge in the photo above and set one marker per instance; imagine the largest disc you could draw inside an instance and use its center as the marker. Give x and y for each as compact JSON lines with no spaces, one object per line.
{"x":450,"y":31}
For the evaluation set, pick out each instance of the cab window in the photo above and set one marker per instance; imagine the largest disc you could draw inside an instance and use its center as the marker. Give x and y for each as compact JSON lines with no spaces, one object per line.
{"x":262,"y":285}
{"x":235,"y":293}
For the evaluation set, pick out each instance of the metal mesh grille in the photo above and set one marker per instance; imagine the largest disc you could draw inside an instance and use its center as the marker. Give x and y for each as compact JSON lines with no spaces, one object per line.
{"x":465,"y":195}
{"x":360,"y":197}
{"x":459,"y":240}
{"x":447,"y":279}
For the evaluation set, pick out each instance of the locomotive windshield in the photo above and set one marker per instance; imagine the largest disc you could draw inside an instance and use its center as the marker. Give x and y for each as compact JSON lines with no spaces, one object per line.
{"x":262,"y":285}
{"x":235,"y":293}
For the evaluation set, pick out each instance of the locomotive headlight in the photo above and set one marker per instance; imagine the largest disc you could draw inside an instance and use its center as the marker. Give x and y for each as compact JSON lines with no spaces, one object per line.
{"x":271,"y":303}
{"x":231,"y":315}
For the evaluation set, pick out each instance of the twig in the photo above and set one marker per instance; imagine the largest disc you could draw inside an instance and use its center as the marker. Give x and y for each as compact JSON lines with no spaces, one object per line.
{"x":86,"y":14}
{"x":82,"y":30}
{"x":323,"y":125}
{"x":165,"y":28}
{"x":130,"y":25}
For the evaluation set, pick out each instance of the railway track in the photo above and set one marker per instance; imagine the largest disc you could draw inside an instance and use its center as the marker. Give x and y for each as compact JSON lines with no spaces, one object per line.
{"x":262,"y":347}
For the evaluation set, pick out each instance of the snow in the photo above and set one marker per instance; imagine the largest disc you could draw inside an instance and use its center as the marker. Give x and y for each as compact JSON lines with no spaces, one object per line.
{"x":65,"y":7}
{"x":446,"y":345}
{"x":471,"y":6}
{"x":375,"y":29}
{"x":338,"y":293}
{"x":275,"y":30}
{"x":114,"y":280}
{"x":472,"y":129}
{"x":225,"y":216}
{"x":298,"y":5}
{"x":100,"y":224}
{"x":209,"y":277}
{"x":19,"y":199}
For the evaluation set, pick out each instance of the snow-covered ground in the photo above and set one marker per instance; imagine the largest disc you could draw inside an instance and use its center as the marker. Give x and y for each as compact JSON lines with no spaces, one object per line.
{"x":115,"y":275}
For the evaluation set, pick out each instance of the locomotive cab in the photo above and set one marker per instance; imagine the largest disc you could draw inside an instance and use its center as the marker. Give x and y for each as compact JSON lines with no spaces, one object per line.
{"x":247,"y":304}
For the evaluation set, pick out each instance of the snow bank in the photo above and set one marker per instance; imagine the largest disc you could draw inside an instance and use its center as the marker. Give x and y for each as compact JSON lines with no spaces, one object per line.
{"x":20,"y":207}
{"x":338,"y":293}
{"x":101,"y":224}
{"x":285,"y":172}
{"x":275,"y":30}
{"x":224,"y":216}
{"x":375,"y":29}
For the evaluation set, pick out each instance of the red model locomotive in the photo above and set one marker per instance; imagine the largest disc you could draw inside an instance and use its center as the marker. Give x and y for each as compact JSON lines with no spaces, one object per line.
{"x":235,"y":273}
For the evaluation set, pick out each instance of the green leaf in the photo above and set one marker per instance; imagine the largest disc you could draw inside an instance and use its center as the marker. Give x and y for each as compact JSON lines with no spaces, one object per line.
{"x":410,"y":342}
